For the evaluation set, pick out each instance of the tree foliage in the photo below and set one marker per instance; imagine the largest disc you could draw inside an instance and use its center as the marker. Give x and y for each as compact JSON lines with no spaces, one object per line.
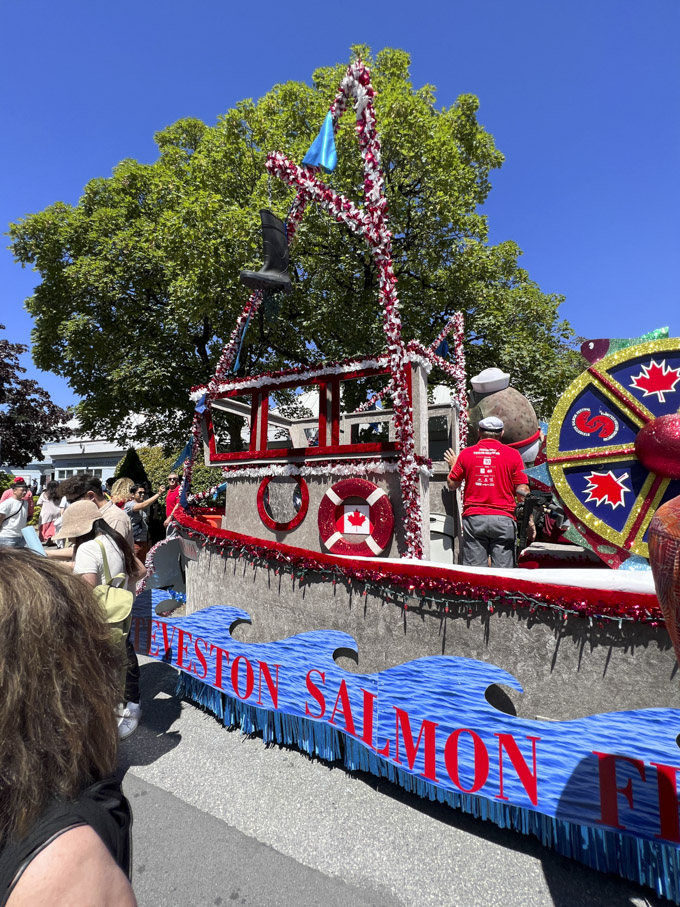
{"x":28,"y":418}
{"x":139,"y":281}
{"x":6,"y":480}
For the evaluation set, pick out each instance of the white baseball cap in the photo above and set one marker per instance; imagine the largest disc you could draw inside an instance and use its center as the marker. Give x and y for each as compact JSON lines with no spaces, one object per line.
{"x":491,"y":423}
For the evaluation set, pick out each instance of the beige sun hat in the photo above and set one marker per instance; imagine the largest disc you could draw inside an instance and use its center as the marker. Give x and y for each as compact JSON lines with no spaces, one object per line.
{"x":78,"y":519}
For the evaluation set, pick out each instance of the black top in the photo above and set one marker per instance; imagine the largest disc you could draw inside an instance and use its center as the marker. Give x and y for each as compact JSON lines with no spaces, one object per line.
{"x":102,"y":806}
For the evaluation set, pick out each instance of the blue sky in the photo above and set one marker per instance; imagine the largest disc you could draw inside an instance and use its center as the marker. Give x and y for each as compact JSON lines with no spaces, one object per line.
{"x":581,"y":97}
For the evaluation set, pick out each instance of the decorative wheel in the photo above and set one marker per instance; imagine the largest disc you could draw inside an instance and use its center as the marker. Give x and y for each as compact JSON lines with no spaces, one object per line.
{"x":360,"y":510}
{"x":613,"y":446}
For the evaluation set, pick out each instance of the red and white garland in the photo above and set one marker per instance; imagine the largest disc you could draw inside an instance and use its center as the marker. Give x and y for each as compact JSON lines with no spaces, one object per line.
{"x":421,"y":583}
{"x":322,"y":468}
{"x":428,"y":357}
{"x":284,"y":376}
{"x":148,"y":563}
{"x":456,"y":371}
{"x":371,"y":224}
{"x":228,"y":354}
{"x":459,"y":375}
{"x":457,"y":318}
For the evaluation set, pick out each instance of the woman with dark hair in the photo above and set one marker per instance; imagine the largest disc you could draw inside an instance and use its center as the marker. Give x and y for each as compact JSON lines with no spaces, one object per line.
{"x":64,"y":822}
{"x":99,"y":550}
{"x":50,"y":513}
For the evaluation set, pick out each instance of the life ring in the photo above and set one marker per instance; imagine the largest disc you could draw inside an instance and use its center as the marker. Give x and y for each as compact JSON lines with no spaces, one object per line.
{"x":299,"y":516}
{"x":332,"y":516}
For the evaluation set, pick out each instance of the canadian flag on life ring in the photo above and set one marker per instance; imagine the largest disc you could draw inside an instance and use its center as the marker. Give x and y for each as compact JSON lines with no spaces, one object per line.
{"x":372,"y":522}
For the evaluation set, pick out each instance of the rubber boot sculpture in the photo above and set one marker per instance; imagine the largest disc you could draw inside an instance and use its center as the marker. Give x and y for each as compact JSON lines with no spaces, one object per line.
{"x":273,"y":275}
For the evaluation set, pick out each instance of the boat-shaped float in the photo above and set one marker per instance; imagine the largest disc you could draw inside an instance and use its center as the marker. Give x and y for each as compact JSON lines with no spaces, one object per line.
{"x":325,"y":605}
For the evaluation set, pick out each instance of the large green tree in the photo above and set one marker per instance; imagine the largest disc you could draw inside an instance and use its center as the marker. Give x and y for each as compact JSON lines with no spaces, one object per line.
{"x":139,"y":281}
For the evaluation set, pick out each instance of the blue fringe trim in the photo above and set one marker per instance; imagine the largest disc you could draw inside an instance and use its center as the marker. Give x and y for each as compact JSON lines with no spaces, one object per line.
{"x":311,"y":737}
{"x":650,"y":863}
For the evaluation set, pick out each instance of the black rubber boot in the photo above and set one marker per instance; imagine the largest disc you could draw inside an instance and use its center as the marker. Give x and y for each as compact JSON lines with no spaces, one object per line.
{"x":274,"y":273}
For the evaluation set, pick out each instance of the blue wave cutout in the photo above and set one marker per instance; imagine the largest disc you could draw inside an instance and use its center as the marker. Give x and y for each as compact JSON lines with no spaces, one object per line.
{"x":601,"y":789}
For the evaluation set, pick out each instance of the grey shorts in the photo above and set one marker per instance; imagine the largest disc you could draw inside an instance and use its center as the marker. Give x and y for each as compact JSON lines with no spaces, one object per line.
{"x":486,"y":536}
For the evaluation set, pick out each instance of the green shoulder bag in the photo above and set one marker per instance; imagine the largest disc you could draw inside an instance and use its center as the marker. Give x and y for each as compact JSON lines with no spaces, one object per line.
{"x":117,"y":605}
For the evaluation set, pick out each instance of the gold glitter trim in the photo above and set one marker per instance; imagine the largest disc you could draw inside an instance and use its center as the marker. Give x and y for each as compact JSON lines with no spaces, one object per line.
{"x":584,"y":380}
{"x":635,"y":512}
{"x":649,"y":348}
{"x":608,"y":454}
{"x":654,"y":506}
{"x":552,"y":448}
{"x":579,"y":510}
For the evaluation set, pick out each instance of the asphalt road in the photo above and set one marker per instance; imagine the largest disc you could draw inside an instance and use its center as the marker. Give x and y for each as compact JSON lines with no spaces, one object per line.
{"x":222,"y":819}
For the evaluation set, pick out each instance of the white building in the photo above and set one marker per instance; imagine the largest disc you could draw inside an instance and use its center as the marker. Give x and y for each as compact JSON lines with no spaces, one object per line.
{"x":74,"y":454}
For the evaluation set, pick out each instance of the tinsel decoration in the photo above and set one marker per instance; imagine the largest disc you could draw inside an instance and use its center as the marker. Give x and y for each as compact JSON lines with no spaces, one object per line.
{"x":371,"y":224}
{"x":148,"y":563}
{"x":417,"y":584}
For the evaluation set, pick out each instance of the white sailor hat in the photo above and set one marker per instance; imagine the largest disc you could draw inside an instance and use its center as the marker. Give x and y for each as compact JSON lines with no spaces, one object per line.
{"x":490,"y":380}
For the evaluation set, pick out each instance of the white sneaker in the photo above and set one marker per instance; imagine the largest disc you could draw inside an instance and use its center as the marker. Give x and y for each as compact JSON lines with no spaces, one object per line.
{"x":128,"y":719}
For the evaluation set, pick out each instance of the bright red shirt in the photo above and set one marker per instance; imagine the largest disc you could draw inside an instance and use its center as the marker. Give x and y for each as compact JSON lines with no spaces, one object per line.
{"x":171,"y":498}
{"x":491,"y":471}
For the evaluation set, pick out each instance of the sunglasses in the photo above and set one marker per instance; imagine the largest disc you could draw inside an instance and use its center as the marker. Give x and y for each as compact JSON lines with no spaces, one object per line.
{"x":173,"y":480}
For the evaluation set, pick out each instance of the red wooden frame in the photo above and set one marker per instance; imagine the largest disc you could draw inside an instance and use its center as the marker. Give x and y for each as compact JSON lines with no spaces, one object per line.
{"x":329,"y":386}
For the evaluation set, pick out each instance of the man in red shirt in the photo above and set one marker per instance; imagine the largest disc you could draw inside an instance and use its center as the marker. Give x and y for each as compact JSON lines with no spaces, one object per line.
{"x":494,"y":476}
{"x":171,"y":500}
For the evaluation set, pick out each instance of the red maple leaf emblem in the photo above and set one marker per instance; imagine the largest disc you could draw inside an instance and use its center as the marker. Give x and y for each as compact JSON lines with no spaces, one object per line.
{"x":656,"y":378}
{"x":355,"y":518}
{"x":606,"y":488}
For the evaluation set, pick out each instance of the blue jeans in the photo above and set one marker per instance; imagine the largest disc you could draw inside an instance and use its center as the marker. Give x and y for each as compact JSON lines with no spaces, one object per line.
{"x":12,"y":541}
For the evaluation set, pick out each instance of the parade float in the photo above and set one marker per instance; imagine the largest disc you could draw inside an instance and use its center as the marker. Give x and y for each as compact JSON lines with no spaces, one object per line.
{"x":325,"y":607}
